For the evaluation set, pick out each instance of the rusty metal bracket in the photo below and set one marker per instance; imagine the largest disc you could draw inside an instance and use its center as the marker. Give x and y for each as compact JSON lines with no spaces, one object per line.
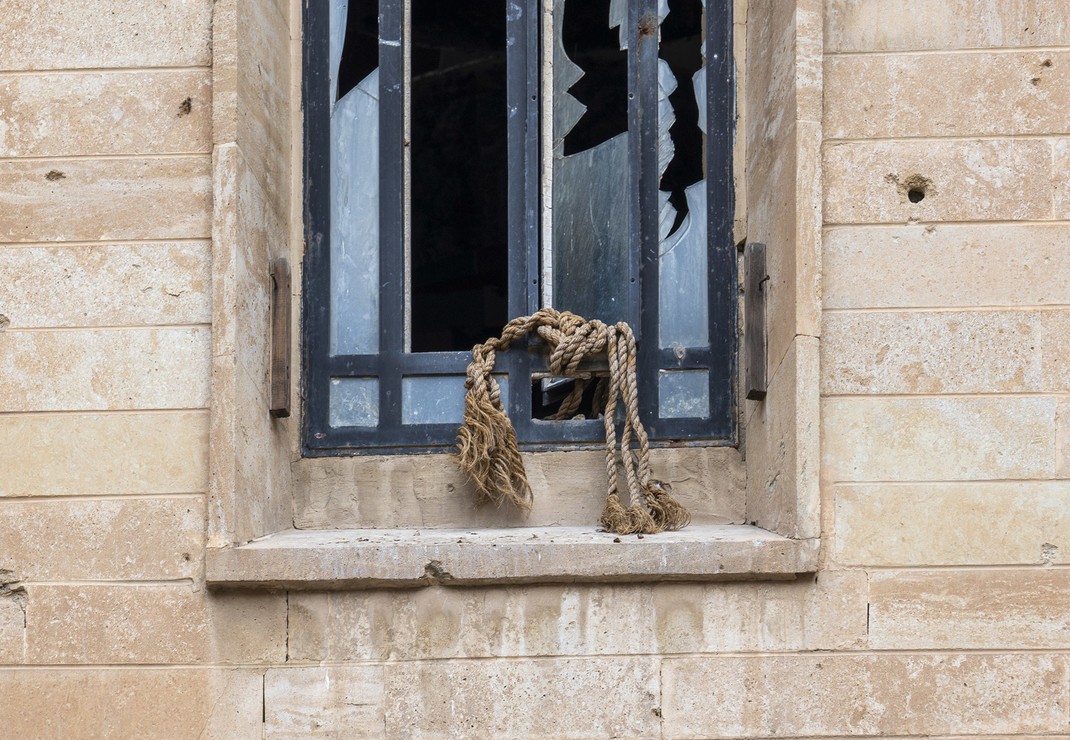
{"x":280,"y":338}
{"x":756,"y":288}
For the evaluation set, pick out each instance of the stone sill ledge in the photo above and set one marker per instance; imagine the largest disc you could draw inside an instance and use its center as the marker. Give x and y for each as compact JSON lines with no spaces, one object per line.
{"x":367,"y":558}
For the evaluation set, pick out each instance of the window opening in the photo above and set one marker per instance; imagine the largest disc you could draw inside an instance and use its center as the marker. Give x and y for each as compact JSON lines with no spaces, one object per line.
{"x":428,"y":188}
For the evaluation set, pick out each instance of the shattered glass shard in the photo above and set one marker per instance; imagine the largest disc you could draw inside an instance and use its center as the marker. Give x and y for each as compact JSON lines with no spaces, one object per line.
{"x":354,"y":325}
{"x":683,"y":285}
{"x":591,"y":190}
{"x":591,"y":44}
{"x":681,"y":51}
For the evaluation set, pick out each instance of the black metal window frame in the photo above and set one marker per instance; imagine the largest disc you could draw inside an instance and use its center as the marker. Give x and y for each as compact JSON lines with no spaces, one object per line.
{"x":392,"y":362}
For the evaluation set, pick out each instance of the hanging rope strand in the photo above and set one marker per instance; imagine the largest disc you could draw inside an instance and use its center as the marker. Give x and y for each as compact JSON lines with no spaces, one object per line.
{"x":488,"y":450}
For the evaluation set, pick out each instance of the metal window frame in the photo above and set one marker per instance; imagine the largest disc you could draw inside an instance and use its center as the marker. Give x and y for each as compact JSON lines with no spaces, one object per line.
{"x":392,"y":363}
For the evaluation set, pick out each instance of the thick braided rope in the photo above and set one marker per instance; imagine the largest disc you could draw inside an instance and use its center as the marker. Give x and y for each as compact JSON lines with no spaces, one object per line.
{"x":487,"y":441}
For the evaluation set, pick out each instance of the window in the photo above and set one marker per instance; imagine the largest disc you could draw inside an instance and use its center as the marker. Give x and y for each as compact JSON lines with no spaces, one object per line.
{"x":469,"y":161}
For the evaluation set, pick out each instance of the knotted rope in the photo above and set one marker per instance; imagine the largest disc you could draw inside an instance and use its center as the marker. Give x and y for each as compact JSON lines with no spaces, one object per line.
{"x":487,"y":440}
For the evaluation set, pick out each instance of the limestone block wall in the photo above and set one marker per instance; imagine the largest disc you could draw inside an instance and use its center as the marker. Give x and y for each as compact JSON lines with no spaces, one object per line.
{"x":942,"y":608}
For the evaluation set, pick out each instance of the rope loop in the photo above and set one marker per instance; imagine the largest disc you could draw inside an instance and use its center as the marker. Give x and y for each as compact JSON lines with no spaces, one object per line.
{"x":488,"y":450}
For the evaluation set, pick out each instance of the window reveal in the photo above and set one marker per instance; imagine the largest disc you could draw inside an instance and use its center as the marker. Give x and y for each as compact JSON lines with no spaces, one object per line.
{"x":424,"y":211}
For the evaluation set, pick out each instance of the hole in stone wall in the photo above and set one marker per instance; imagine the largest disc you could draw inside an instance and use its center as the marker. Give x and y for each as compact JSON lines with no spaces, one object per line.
{"x":914,"y":188}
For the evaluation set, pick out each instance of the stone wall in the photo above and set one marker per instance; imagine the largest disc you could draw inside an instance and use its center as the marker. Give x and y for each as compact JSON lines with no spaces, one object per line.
{"x":942,"y":608}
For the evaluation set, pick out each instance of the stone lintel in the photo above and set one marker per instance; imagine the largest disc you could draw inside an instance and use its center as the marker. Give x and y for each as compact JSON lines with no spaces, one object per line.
{"x":366,"y":558}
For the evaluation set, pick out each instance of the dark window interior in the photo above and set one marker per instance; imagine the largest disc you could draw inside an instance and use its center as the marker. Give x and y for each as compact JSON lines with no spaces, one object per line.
{"x":459,"y":173}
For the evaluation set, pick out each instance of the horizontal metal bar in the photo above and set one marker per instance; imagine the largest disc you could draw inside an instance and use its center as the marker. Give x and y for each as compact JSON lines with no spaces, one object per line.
{"x":424,"y":363}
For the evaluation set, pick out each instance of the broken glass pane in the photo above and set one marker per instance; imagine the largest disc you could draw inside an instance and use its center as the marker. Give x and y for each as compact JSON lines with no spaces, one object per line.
{"x":354,"y":178}
{"x":460,"y":186}
{"x":683,"y":279}
{"x":590,"y":180}
{"x":684,"y":394}
{"x":354,"y":402}
{"x":437,"y":399}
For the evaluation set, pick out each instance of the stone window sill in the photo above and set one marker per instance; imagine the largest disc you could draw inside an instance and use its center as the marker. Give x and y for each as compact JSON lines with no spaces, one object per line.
{"x":365,"y":558}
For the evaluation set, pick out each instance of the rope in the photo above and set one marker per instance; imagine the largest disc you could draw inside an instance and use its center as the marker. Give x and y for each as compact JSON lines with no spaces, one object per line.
{"x":488,"y":445}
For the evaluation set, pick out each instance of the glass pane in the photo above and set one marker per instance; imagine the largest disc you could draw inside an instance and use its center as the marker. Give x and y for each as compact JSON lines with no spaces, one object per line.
{"x":437,"y":399}
{"x":684,"y":394}
{"x":354,"y":402}
{"x":460,"y":189}
{"x":432,"y":399}
{"x":354,"y":178}
{"x":683,"y":282}
{"x":590,"y":177}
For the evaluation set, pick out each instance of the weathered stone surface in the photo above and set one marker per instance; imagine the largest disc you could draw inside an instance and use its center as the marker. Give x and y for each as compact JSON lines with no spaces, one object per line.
{"x":152,"y":624}
{"x":1055,"y":350}
{"x":782,"y":447}
{"x":863,"y":695}
{"x":175,"y":703}
{"x":1062,"y":444}
{"x":263,"y":97}
{"x":245,"y":627}
{"x":959,"y":438}
{"x":945,"y":265}
{"x":105,"y":33}
{"x":809,"y":614}
{"x":225,"y":72}
{"x":975,"y":609}
{"x":809,"y":222}
{"x":250,"y":479}
{"x":262,"y":462}
{"x":103,"y":539}
{"x":978,"y":523}
{"x":89,"y":199}
{"x":112,"y":285}
{"x":976,"y":94}
{"x":458,"y":557}
{"x":809,"y":65}
{"x":773,"y":180}
{"x":104,"y":369}
{"x":783,"y":146}
{"x":985,"y":180}
{"x":416,"y":491}
{"x":1061,"y":173}
{"x":866,"y":25}
{"x":12,"y":620}
{"x":337,"y":702}
{"x":576,"y":698}
{"x":138,"y":112}
{"x":71,"y":454}
{"x":944,"y":352}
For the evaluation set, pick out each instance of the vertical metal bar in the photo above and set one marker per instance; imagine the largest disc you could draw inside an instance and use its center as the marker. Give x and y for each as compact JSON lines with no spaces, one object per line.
{"x":391,"y":209}
{"x":317,"y":278}
{"x":645,"y":135}
{"x":723,"y":278}
{"x":522,"y":103}
{"x":406,"y":171}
